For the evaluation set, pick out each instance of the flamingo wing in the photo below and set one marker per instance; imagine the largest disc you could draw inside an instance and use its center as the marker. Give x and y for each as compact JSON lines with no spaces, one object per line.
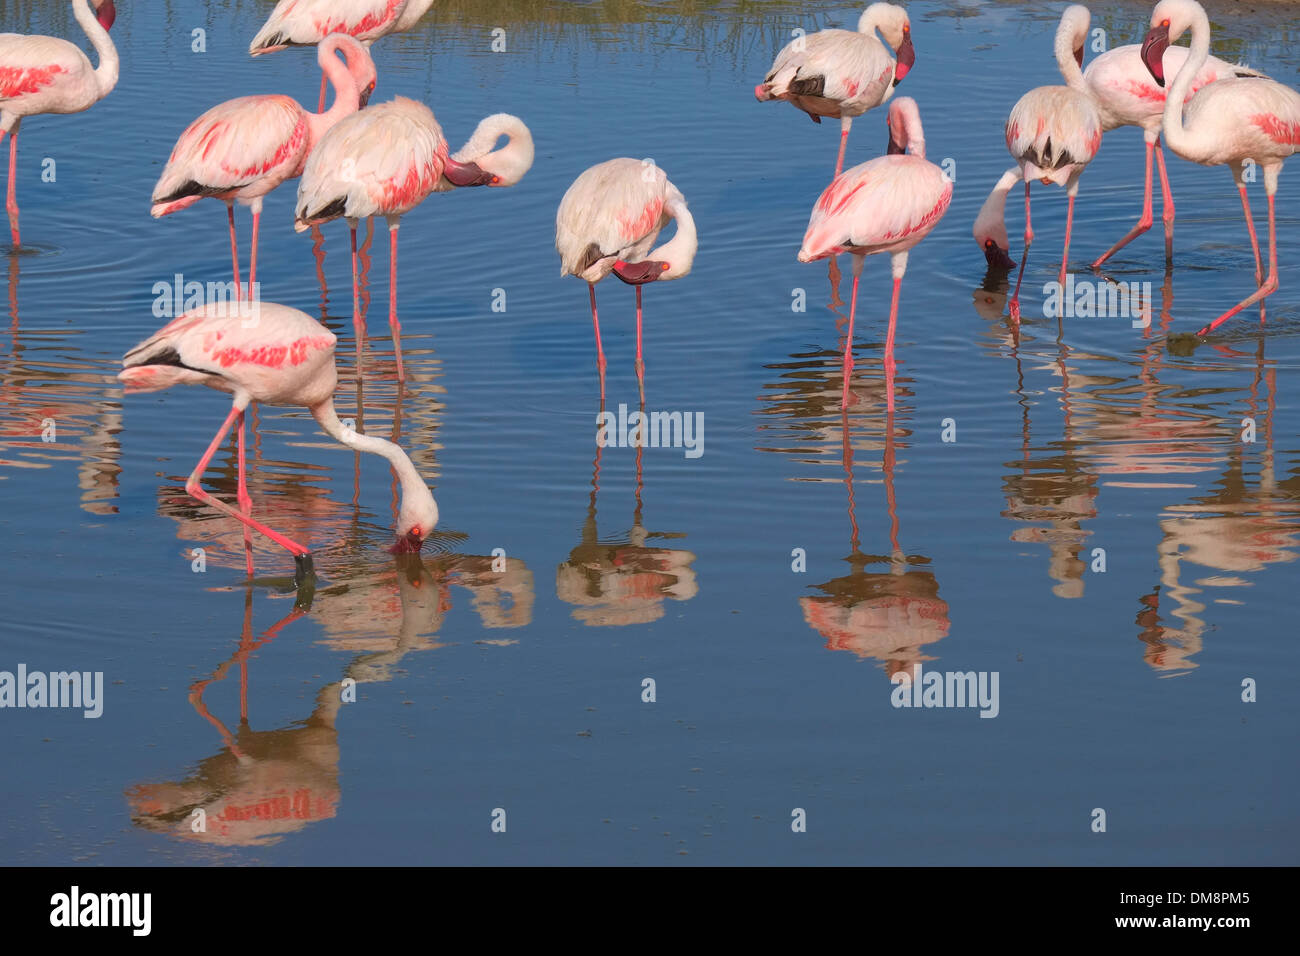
{"x":307,"y":22}
{"x":613,"y":210}
{"x":32,"y":67}
{"x":1052,"y":127}
{"x":839,"y":65}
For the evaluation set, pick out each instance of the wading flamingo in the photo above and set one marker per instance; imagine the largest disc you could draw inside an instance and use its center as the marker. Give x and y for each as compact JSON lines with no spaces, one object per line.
{"x":285,"y":357}
{"x":1053,"y":132}
{"x":243,"y":148}
{"x":608,"y":221}
{"x":1231,"y":122}
{"x":49,"y":75}
{"x":1124,"y":95}
{"x":842,"y":73}
{"x":308,"y":22}
{"x":385,"y":160}
{"x":887,"y":204}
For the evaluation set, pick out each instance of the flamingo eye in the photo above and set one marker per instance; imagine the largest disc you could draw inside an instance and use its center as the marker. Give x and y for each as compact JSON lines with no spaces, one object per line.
{"x":416,"y":532}
{"x":989,"y":243}
{"x":1164,"y":23}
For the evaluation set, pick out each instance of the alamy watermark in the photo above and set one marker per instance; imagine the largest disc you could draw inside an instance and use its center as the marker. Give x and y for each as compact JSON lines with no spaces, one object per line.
{"x":1085,"y":299}
{"x":79,"y":690}
{"x":652,"y":430}
{"x":917,"y":688}
{"x":176,"y":297}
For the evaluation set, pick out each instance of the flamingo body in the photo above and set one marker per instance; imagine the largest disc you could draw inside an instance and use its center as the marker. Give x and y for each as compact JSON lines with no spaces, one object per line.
{"x":307,"y":22}
{"x":1052,"y":133}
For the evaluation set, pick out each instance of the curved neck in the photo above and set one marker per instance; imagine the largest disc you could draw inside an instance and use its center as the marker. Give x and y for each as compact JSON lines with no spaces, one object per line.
{"x":991,"y":223}
{"x":347,"y":98}
{"x":106,"y":72}
{"x":1070,"y":36}
{"x":679,"y":251}
{"x":512,"y":160}
{"x":1175,"y":134}
{"x":412,"y":484}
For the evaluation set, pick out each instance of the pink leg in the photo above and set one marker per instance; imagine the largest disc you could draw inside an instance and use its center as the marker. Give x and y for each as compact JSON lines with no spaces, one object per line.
{"x":600,"y":352}
{"x":1065,"y":255}
{"x":1168,"y":198}
{"x":1268,"y":288}
{"x":1254,"y":240}
{"x":1014,"y":304}
{"x":640,"y":365}
{"x":11,"y":204}
{"x":1145,"y":220}
{"x":320,"y":107}
{"x":245,"y":501}
{"x":844,"y":142}
{"x":234,"y":249}
{"x":300,"y":554}
{"x":848,"y":341}
{"x":252,"y":262}
{"x":392,"y":301}
{"x":889,"y":345}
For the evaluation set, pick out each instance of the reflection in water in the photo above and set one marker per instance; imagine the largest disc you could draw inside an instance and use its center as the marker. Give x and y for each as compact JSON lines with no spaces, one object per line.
{"x":624,"y":581}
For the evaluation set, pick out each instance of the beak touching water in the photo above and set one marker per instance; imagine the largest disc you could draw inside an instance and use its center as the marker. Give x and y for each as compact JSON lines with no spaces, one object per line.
{"x":1153,"y":52}
{"x":409,"y":543}
{"x":997,"y":257}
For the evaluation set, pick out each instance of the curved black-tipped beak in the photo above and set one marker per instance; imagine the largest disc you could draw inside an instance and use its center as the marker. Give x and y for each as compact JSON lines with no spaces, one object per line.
{"x":906,"y":58}
{"x":409,"y":543}
{"x":1153,"y":52}
{"x":468,"y":174}
{"x":639,"y":273}
{"x":893,"y":148}
{"x":363,"y":100}
{"x":997,"y":257}
{"x":106,"y":14}
{"x":1078,"y":57}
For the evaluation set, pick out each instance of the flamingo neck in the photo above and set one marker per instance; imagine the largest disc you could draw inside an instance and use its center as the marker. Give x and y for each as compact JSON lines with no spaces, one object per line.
{"x":1176,"y":136}
{"x":678,"y":252}
{"x":512,"y":160}
{"x":347,"y":98}
{"x":107,"y":71}
{"x":413,"y":486}
{"x":1071,"y":34}
{"x":992,"y":219}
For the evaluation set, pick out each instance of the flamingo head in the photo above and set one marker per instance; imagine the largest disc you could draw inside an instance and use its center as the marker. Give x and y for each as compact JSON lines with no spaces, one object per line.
{"x":905,"y":132}
{"x":105,"y":13}
{"x":893,"y":23}
{"x":468,"y":174}
{"x":1169,"y":20}
{"x":996,"y":256}
{"x":906,"y":54}
{"x":361,"y":67}
{"x":416,"y":520}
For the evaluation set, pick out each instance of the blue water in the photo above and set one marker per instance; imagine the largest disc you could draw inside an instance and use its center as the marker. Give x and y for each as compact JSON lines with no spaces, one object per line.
{"x":521,"y":690}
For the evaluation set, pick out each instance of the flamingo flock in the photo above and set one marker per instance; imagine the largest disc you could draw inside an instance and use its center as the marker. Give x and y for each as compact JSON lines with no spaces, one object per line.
{"x":359,"y":161}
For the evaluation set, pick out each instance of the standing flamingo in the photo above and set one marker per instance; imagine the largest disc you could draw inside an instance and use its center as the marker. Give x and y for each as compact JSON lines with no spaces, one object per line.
{"x":840,"y":73}
{"x":41,"y":74}
{"x":1232,"y":122}
{"x":386,"y":160}
{"x":1053,"y":132}
{"x":887,"y":204}
{"x":243,"y":148}
{"x":1124,"y":95}
{"x":308,"y":22}
{"x":608,"y":221}
{"x":285,"y":358}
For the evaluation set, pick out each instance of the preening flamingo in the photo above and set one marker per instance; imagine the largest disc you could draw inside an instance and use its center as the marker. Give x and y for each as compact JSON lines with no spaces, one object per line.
{"x":840,"y":73}
{"x":308,"y":22}
{"x":1124,"y":95}
{"x":1053,"y":132}
{"x":283,"y":357}
{"x":244,"y":148}
{"x":887,"y":204}
{"x":608,"y":221}
{"x":385,"y":160}
{"x":41,"y":74}
{"x":1231,"y":122}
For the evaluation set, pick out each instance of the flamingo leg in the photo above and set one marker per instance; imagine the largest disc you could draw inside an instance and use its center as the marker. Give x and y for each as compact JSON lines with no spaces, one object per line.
{"x":234,"y":249}
{"x":393,"y":324}
{"x":1269,"y":286}
{"x":1167,"y":197}
{"x":1254,"y":239}
{"x":252,"y":262}
{"x":320,"y":107}
{"x":1014,"y":305}
{"x":300,"y":554}
{"x":1069,"y":226}
{"x":600,"y":352}
{"x":640,"y":365}
{"x":858,"y":262}
{"x":245,"y":501}
{"x":1145,"y":220}
{"x":889,"y":345}
{"x":845,"y":123}
{"x":11,"y":201}
{"x":358,"y":323}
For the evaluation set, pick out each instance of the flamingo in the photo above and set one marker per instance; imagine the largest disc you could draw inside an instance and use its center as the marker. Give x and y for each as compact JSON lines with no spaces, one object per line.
{"x":1124,"y":95}
{"x":244,"y":148}
{"x":386,"y":160}
{"x":608,"y":221}
{"x":1231,"y":122}
{"x":308,"y":22}
{"x":40,"y":74}
{"x":887,"y":204}
{"x":284,"y":358}
{"x":842,"y":73}
{"x":1053,"y":132}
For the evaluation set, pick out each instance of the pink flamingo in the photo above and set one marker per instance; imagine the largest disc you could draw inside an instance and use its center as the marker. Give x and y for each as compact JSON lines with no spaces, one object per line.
{"x":887,"y":204}
{"x":1231,"y":122}
{"x":284,"y":358}
{"x":608,"y":221}
{"x":1053,"y":132}
{"x":41,"y":74}
{"x":842,"y":73}
{"x":308,"y":22}
{"x":385,"y":160}
{"x":1124,"y":95}
{"x":244,"y":148}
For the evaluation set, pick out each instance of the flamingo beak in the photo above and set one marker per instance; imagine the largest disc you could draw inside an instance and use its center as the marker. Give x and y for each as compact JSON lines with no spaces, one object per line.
{"x":1153,"y":52}
{"x":906,"y":57}
{"x":893,"y":149}
{"x":409,"y":543}
{"x":1078,"y":57}
{"x":468,"y":174}
{"x":997,"y":257}
{"x":106,"y":14}
{"x":639,"y":273}
{"x":363,"y":98}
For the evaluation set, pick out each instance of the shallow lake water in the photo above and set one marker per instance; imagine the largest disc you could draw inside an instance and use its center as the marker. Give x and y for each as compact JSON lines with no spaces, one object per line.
{"x":769,"y":587}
